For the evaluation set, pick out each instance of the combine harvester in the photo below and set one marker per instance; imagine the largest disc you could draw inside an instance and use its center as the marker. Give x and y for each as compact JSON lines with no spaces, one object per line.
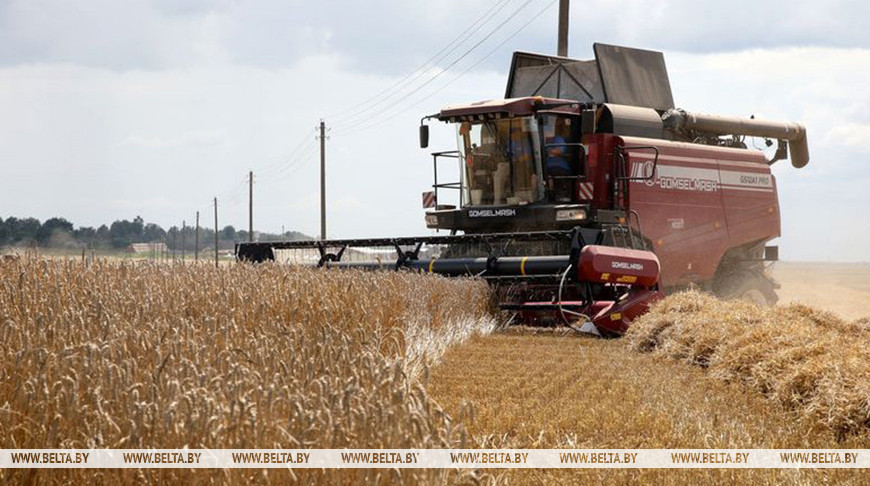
{"x":585,"y":195}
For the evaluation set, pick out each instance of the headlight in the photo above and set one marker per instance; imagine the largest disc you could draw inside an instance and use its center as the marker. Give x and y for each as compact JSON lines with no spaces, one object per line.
{"x":431,"y":221}
{"x":570,"y":215}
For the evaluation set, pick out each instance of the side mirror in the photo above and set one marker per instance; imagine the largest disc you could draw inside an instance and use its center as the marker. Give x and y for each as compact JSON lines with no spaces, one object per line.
{"x":424,"y":136}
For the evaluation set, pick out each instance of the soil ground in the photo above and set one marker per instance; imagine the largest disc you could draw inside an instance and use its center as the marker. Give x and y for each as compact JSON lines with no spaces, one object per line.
{"x":843,"y":288}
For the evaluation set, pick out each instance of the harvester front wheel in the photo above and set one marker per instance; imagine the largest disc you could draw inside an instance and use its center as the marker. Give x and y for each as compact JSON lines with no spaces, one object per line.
{"x":755,"y":296}
{"x":750,"y":287}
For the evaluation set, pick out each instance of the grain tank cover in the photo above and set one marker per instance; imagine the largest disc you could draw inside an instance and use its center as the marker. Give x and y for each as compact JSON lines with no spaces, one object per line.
{"x":554,"y":77}
{"x":618,"y":75}
{"x":634,"y":77}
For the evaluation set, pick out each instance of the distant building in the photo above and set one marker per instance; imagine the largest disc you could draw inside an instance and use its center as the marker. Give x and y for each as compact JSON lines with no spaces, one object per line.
{"x":147,"y":248}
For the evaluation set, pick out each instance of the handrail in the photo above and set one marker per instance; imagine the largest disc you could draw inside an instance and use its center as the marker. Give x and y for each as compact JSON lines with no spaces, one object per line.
{"x":655,"y":162}
{"x":451,"y":154}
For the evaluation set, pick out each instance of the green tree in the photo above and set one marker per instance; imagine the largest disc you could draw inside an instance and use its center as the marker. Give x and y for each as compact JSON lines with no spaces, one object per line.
{"x":50,"y":227}
{"x":173,"y":238}
{"x":153,"y":233}
{"x":103,"y":237}
{"x":22,"y":230}
{"x":85,"y":235}
{"x":125,"y":232}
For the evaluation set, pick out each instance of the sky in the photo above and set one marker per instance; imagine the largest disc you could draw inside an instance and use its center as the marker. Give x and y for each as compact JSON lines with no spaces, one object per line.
{"x":111,"y":109}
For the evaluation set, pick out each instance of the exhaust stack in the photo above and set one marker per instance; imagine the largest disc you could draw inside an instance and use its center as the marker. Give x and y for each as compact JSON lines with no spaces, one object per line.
{"x":793,"y":133}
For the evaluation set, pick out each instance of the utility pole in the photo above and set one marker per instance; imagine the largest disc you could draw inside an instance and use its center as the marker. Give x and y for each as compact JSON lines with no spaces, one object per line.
{"x":322,"y":180}
{"x":563,"y":28}
{"x":251,"y":206}
{"x":196,"y":244}
{"x":215,"y":234}
{"x":183,"y":230}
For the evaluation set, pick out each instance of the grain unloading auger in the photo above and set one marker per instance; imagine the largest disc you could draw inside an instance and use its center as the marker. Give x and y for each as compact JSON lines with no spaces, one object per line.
{"x":585,"y":194}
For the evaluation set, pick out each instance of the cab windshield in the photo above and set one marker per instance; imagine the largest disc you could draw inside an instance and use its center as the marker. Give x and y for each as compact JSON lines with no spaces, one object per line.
{"x":501,"y":161}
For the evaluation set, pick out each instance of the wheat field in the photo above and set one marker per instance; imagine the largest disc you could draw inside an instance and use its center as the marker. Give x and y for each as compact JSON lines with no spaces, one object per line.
{"x":123,"y":355}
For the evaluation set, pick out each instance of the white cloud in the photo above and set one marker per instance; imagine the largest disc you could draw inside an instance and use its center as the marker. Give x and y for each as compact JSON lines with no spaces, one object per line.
{"x":855,"y":135}
{"x":134,"y":205}
{"x":194,"y":139}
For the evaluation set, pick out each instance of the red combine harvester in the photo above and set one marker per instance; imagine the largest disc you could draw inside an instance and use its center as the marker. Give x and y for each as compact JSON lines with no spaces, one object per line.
{"x":585,"y":195}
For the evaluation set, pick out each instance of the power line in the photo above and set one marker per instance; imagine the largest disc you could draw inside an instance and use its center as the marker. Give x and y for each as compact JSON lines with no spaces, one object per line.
{"x":456,"y":61}
{"x":232,"y":196}
{"x":466,"y":71}
{"x":284,"y":158}
{"x":422,"y":69}
{"x":229,"y":192}
{"x":292,"y":165}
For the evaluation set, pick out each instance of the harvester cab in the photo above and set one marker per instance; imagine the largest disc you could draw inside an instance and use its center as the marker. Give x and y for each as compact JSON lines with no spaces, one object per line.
{"x":584,"y":195}
{"x":522,"y":165}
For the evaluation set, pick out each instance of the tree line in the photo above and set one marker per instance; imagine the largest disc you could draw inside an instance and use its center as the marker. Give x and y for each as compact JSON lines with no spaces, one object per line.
{"x":60,"y":233}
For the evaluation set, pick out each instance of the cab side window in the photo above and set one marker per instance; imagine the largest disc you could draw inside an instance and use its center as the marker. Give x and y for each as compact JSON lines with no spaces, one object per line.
{"x":561,"y":161}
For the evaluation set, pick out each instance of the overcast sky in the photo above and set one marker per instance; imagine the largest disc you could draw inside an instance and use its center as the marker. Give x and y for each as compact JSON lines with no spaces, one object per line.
{"x":111,"y":109}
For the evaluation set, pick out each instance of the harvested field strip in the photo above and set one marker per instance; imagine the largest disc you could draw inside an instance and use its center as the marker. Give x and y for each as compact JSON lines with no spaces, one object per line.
{"x":843,"y":288}
{"x":808,"y":361}
{"x":545,"y":390}
{"x":123,"y":355}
